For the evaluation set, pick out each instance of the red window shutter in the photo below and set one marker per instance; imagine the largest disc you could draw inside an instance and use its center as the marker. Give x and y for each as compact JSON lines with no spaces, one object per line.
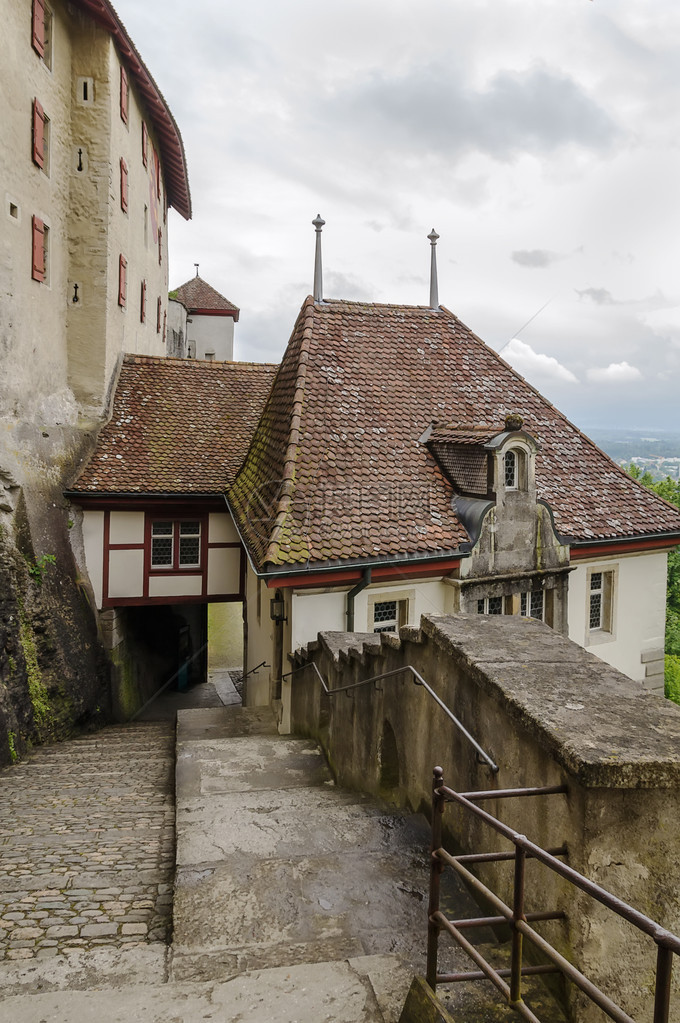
{"x":142,"y":306}
{"x":165,"y":320}
{"x":38,"y":30}
{"x":38,"y":134}
{"x":158,"y":316}
{"x":124,"y":92}
{"x":123,"y":185}
{"x":38,"y":273}
{"x":122,"y":281}
{"x":145,"y":144}
{"x":160,"y":245}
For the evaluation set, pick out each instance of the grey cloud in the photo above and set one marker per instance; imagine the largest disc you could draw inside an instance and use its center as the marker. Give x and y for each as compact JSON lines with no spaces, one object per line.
{"x":600,"y":296}
{"x":339,"y":285}
{"x":535,"y":257}
{"x":537,"y":111}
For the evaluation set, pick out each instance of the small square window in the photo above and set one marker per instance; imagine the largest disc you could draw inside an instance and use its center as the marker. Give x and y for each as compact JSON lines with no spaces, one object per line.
{"x":85,"y":91}
{"x":389,"y":615}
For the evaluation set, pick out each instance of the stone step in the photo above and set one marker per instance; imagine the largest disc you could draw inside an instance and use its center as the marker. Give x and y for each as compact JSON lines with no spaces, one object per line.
{"x":364,"y":989}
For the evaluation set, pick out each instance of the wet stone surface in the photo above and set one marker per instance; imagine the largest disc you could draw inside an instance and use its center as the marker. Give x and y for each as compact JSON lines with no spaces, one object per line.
{"x":87,"y":844}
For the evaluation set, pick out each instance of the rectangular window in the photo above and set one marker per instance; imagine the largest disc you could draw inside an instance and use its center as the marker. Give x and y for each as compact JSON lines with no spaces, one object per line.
{"x":160,"y":246}
{"x":142,"y":304}
{"x":41,"y":31}
{"x":145,"y":144}
{"x":39,"y":250}
{"x":600,"y":592}
{"x":38,"y":34}
{"x":165,"y":320}
{"x":176,"y":545}
{"x":122,"y":281}
{"x":159,"y":310}
{"x":189,"y":544}
{"x":532,"y":605}
{"x":124,"y":94}
{"x":490,"y":606}
{"x":40,"y":136}
{"x":123,"y":185}
{"x":162,"y":536}
{"x":389,"y":615}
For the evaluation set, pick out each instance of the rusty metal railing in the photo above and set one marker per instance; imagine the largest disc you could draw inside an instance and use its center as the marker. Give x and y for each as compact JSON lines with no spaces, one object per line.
{"x":418,"y":680}
{"x":667,"y":944}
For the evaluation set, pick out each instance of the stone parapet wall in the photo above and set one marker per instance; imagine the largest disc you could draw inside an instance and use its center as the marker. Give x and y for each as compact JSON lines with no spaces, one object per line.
{"x":549,"y":713}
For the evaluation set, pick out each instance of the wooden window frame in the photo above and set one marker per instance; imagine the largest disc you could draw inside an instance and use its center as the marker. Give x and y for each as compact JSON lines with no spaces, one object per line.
{"x":124,"y":95}
{"x":39,"y":250}
{"x":175,"y":567}
{"x":123,"y":185}
{"x":40,"y":121}
{"x":122,"y":281}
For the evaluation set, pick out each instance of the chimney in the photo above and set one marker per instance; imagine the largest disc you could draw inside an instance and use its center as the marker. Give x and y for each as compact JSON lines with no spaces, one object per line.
{"x":434,"y":287}
{"x":318,"y":276}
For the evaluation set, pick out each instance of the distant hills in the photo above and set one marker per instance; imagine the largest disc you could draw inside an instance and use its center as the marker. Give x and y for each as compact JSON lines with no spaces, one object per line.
{"x":657,"y":451}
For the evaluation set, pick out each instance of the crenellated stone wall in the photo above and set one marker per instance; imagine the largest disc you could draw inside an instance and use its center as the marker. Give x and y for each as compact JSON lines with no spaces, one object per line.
{"x":549,"y":713}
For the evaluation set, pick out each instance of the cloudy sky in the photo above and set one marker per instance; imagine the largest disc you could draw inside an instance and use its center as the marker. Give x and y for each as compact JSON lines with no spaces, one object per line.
{"x":541,"y":138}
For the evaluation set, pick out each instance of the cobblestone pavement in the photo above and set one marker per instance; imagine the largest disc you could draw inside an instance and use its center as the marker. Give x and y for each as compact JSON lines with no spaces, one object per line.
{"x":87,"y":843}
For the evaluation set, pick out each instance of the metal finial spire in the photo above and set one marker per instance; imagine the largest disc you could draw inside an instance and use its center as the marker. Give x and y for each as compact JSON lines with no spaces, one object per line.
{"x":318,"y":275}
{"x":434,"y":287}
{"x":196,"y":265}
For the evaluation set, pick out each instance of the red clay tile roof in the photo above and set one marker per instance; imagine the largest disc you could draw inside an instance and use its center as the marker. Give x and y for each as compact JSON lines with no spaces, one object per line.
{"x":336,"y":471}
{"x":196,"y":294}
{"x":179,"y":426}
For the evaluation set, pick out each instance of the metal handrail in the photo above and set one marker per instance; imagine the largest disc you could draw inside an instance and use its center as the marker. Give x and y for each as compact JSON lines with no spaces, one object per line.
{"x":668,"y":944}
{"x":419,"y":681}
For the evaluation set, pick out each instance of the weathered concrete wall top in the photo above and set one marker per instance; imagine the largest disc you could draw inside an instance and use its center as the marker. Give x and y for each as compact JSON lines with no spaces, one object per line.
{"x":581,"y":710}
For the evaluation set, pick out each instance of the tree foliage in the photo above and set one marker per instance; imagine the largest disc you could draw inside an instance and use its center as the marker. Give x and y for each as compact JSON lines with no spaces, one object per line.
{"x":670,"y":491}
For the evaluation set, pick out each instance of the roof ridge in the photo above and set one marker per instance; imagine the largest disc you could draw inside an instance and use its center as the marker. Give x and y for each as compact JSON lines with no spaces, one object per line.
{"x":380,"y":305}
{"x":292,"y":449}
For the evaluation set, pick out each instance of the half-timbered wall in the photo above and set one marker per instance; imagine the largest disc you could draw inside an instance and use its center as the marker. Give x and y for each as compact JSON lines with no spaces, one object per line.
{"x":131,"y":563}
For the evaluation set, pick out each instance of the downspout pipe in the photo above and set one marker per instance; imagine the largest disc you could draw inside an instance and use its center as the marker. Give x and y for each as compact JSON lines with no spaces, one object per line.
{"x":355,"y":591}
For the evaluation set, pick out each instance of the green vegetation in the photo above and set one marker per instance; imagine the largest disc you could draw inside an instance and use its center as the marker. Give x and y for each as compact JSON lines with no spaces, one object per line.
{"x":38,"y":568}
{"x":36,"y":687}
{"x":670,"y":491}
{"x":11,"y":740}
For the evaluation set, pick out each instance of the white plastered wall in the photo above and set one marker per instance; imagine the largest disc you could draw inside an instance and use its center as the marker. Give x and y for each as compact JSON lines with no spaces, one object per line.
{"x":211,"y":333}
{"x":638,"y":614}
{"x":93,"y":545}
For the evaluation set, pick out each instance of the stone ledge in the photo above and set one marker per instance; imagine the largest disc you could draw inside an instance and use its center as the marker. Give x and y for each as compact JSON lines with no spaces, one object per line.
{"x":627,"y":737}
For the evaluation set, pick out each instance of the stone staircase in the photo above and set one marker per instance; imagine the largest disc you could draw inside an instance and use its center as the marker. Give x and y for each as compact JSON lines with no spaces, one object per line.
{"x":294,"y":902}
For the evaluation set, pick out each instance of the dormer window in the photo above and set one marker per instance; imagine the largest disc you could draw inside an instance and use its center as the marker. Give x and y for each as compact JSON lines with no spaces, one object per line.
{"x":515,"y":475}
{"x":510,"y":464}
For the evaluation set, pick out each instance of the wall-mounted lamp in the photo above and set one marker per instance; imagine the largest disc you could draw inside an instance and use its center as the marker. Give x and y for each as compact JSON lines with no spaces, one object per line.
{"x":277,"y":610}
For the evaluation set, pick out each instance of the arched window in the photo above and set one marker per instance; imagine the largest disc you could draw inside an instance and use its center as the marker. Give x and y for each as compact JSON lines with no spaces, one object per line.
{"x":510,"y":470}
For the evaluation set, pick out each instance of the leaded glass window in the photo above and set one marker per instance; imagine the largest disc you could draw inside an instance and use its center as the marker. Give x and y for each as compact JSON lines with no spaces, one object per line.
{"x":162,"y":534}
{"x":189,"y":544}
{"x":385,"y":616}
{"x":510,"y":469}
